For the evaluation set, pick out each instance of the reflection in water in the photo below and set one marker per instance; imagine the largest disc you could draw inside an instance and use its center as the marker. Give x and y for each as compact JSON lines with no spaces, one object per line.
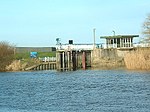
{"x":91,"y":90}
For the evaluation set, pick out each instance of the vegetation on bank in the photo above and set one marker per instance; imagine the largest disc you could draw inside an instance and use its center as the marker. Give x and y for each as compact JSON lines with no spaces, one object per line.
{"x":26,"y":55}
{"x":23,"y":60}
{"x":146,"y":30}
{"x":138,"y":59}
{"x":11,"y":61}
{"x":6,"y":55}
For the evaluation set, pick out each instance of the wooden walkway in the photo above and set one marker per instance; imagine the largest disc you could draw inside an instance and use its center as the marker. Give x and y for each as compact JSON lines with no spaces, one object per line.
{"x":42,"y":66}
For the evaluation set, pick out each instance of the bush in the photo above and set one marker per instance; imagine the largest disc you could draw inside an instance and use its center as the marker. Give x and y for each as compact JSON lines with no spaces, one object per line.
{"x":6,"y":55}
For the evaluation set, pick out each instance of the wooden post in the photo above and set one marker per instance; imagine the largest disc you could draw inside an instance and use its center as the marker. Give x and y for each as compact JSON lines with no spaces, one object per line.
{"x":83,"y":61}
{"x":63,"y":61}
{"x":73,"y":60}
{"x":76,"y":60}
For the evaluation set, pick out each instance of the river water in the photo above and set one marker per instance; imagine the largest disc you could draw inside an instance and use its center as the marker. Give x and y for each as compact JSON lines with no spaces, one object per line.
{"x":75,"y":91}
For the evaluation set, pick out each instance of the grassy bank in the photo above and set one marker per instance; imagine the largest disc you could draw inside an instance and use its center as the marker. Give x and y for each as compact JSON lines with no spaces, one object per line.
{"x":23,"y":60}
{"x":26,"y":55}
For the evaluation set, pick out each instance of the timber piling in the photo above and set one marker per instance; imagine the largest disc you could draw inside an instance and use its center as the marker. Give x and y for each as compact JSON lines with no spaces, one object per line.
{"x":71,"y":60}
{"x":43,"y":66}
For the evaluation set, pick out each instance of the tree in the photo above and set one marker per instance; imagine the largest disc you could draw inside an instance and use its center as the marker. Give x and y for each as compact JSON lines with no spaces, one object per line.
{"x":146,"y":29}
{"x":6,"y":55}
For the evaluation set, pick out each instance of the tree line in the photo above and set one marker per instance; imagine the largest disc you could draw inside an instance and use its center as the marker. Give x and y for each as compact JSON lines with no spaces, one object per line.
{"x":146,"y":29}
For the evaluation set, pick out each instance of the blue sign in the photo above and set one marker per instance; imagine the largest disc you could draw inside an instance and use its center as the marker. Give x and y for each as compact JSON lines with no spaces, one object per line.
{"x":33,"y":54}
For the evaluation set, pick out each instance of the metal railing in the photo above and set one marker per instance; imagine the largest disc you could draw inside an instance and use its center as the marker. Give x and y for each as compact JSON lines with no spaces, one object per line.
{"x":48,"y":59}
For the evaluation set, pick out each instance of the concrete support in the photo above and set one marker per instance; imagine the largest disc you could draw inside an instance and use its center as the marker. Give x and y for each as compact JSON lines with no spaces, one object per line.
{"x":130,"y":43}
{"x":125,"y":43}
{"x":120,"y":42}
{"x":112,"y":41}
{"x":106,"y":43}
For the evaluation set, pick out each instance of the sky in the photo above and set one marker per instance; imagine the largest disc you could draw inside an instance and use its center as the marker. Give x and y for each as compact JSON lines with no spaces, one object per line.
{"x":37,"y":23}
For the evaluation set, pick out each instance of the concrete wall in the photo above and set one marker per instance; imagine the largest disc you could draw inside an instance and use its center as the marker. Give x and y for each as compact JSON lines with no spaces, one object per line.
{"x":109,"y":58}
{"x":110,"y":53}
{"x":135,"y":58}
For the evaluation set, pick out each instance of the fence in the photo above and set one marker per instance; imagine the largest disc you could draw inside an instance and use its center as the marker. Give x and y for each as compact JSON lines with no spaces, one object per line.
{"x":48,"y":59}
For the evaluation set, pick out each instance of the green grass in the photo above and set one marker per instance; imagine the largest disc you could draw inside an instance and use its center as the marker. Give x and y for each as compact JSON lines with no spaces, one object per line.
{"x":40,"y":54}
{"x":25,"y":57}
{"x":47,"y":54}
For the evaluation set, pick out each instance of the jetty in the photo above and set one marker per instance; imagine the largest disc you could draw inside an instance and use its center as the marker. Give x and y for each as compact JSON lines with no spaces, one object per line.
{"x":42,"y":66}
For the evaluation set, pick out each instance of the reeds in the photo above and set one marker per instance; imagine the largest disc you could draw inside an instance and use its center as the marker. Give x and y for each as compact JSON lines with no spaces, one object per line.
{"x":138,"y":59}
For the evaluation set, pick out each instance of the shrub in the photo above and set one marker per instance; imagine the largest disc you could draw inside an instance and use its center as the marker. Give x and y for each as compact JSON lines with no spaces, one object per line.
{"x":6,"y":55}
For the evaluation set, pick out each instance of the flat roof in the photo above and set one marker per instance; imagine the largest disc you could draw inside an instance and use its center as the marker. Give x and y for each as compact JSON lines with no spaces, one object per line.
{"x":120,"y":36}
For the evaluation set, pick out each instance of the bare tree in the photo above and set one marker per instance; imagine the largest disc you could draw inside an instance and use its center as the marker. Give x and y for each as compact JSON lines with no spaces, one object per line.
{"x":146,"y":29}
{"x":6,"y":55}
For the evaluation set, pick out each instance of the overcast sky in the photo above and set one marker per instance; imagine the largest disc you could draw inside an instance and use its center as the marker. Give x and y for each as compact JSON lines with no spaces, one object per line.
{"x":40,"y":22}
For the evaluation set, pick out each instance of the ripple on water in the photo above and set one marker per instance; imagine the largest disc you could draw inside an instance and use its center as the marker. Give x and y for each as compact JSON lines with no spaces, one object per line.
{"x":90,"y":90}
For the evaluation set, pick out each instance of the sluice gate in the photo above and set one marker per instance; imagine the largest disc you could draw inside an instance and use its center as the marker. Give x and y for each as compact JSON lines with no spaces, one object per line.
{"x":71,"y":60}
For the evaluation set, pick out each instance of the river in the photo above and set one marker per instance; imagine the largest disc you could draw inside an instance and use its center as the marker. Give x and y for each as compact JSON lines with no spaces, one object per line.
{"x":75,"y":91}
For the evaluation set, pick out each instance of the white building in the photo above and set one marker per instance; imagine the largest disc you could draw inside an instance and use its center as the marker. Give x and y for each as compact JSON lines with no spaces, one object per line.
{"x":76,"y":46}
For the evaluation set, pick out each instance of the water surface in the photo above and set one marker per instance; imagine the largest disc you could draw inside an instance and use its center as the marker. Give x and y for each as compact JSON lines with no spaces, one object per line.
{"x":78,"y":91}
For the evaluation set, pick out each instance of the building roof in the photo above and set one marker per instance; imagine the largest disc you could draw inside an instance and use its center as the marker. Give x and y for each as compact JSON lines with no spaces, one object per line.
{"x":119,"y":36}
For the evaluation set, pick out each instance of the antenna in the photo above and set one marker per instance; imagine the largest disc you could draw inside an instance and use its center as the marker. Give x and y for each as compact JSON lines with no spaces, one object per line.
{"x":94,"y":37}
{"x":58,"y":43}
{"x":114,"y":32}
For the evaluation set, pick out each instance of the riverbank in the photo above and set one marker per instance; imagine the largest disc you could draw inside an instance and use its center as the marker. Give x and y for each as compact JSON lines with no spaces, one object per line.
{"x":138,"y":59}
{"x":132,"y":59}
{"x":21,"y":65}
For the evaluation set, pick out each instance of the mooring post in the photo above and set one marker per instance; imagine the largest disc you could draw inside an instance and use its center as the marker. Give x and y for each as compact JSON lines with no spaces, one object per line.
{"x":58,"y":60}
{"x":63,"y":62}
{"x":68,"y":55}
{"x":76,"y":59}
{"x":83,"y":61}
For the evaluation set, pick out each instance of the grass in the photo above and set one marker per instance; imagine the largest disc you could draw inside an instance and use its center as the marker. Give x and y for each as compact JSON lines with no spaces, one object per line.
{"x":26,"y":55}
